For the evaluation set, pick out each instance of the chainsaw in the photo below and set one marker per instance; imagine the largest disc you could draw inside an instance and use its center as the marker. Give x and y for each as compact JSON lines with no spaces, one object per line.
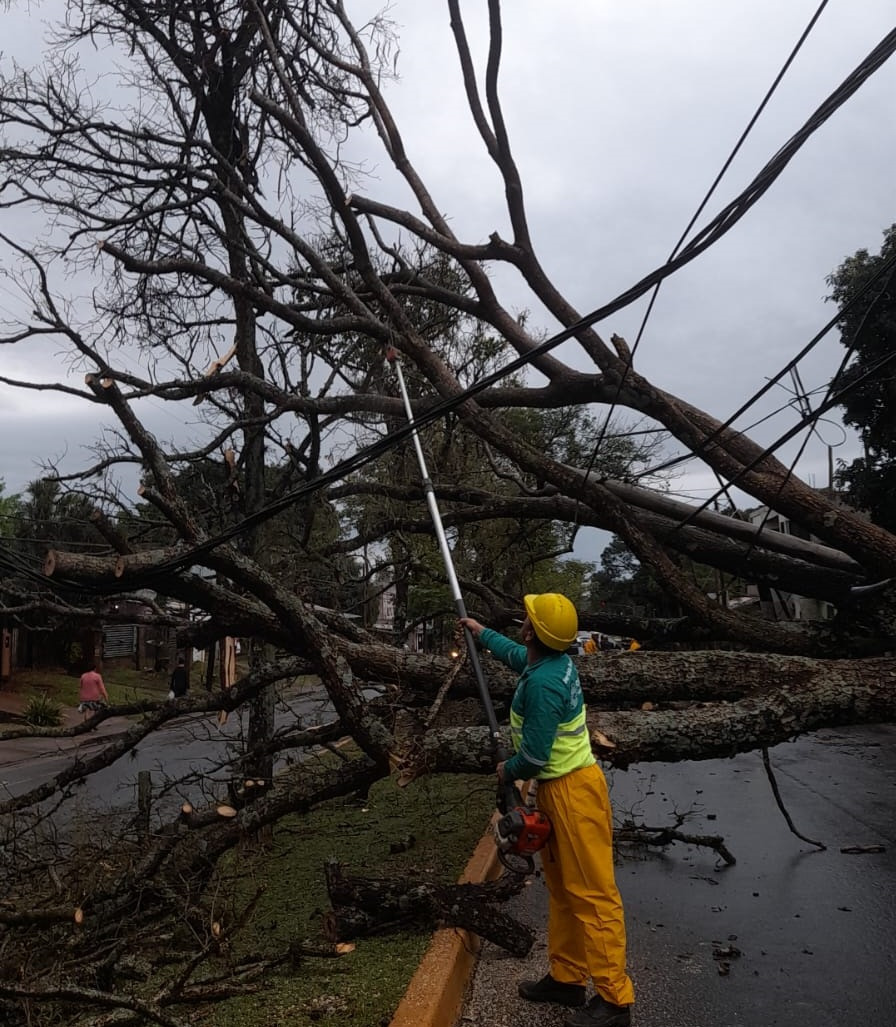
{"x":521,"y":830}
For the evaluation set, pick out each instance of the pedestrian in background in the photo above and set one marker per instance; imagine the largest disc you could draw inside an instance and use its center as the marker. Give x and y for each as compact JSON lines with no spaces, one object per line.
{"x":586,"y":925}
{"x":179,"y":680}
{"x":92,"y":694}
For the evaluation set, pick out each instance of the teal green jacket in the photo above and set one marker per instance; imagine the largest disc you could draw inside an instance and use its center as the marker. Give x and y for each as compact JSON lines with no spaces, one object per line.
{"x":547,"y":715}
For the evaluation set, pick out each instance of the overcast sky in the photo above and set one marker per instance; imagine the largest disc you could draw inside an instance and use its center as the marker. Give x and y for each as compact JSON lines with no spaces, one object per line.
{"x":620,"y":115}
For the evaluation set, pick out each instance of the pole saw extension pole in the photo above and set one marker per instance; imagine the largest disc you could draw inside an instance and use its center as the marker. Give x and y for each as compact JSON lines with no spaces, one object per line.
{"x":459,"y":605}
{"x":519,"y":832}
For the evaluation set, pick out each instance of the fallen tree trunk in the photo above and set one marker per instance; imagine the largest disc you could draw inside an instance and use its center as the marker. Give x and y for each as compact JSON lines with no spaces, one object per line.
{"x":616,"y":678}
{"x":366,"y":905}
{"x":623,"y":678}
{"x":699,"y":731}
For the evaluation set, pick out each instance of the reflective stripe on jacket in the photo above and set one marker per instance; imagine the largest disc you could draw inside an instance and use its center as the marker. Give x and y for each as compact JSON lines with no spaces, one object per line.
{"x":547,"y":715}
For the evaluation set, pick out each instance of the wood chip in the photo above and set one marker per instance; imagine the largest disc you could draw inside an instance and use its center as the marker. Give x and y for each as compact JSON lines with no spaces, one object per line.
{"x":599,"y":738}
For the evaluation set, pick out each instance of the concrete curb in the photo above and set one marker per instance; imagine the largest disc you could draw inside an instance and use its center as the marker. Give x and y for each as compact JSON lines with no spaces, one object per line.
{"x":436,"y":994}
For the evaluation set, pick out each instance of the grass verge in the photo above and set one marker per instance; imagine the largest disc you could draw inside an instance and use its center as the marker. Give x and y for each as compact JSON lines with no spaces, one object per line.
{"x":123,"y":684}
{"x":446,"y":816}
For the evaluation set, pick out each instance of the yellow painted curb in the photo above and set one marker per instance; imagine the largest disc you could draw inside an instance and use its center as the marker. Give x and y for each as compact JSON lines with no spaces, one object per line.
{"x":437,"y":990}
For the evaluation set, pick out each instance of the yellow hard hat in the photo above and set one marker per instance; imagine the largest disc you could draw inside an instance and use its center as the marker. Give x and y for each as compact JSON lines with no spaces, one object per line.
{"x":554,"y":619}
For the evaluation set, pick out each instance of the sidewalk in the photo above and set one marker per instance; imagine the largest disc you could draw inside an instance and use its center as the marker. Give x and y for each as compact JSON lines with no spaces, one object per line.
{"x":15,"y":750}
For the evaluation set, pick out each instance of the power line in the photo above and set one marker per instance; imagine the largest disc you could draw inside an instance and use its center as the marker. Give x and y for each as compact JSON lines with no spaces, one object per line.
{"x":806,"y":409}
{"x":722,"y":223}
{"x":693,"y":221}
{"x":833,"y":399}
{"x":886,"y":266}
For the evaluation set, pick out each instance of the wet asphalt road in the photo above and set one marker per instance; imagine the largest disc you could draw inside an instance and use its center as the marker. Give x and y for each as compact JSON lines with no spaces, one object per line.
{"x":816,"y":930}
{"x":195,"y":752}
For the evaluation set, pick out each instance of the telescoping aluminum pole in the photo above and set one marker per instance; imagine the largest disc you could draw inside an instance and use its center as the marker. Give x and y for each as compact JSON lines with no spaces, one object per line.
{"x":459,"y":605}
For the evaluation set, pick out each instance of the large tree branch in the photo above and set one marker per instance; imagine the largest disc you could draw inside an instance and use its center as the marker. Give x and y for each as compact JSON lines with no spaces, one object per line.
{"x":784,"y":710}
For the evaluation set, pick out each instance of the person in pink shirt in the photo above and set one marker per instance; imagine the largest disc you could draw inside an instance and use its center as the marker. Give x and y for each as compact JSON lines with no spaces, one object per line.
{"x":91,"y":692}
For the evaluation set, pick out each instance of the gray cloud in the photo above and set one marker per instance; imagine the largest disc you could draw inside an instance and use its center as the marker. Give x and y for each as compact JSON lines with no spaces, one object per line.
{"x":620,"y":116}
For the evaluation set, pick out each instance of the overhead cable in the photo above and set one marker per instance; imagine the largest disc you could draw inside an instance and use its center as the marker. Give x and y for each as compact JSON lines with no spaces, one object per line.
{"x":886,"y":266}
{"x":833,"y":399}
{"x":702,"y":206}
{"x":710,"y":234}
{"x":812,"y":417}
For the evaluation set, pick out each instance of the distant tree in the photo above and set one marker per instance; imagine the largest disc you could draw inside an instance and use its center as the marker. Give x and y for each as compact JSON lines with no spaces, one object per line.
{"x":9,"y":509}
{"x":48,"y":515}
{"x":868,"y":325}
{"x":618,"y":562}
{"x":623,"y":584}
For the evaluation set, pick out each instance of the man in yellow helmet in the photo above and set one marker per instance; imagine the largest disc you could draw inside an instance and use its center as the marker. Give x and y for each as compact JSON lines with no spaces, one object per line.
{"x":586,"y":926}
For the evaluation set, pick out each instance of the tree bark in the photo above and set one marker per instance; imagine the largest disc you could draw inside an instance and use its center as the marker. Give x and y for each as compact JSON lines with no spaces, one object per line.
{"x":788,"y":698}
{"x":621,"y":678}
{"x":388,"y":904}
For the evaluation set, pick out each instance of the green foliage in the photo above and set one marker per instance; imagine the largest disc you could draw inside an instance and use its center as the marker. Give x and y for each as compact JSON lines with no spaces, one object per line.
{"x":571,"y":577}
{"x":123,"y":684}
{"x":506,"y":552}
{"x":618,"y":562}
{"x":624,"y":586}
{"x":295,"y":544}
{"x":74,"y":654}
{"x":9,"y":511}
{"x":48,"y":516}
{"x":870,"y":485}
{"x":42,"y":711}
{"x":870,"y":407}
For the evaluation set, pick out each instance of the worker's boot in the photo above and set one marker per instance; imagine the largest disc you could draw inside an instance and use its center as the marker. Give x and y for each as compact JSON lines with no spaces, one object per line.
{"x":600,"y":1013}
{"x":549,"y":990}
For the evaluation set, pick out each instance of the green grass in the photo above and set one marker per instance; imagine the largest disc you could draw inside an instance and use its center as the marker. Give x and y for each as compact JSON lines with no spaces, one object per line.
{"x":42,"y":710}
{"x":122,"y":684}
{"x":446,"y":815}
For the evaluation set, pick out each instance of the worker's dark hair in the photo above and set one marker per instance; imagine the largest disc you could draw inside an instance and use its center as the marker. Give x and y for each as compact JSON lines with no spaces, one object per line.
{"x":180,"y":659}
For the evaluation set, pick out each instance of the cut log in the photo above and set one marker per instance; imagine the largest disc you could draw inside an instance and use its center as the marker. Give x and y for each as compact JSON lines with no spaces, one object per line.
{"x":110,"y":532}
{"x":623,"y":678}
{"x":60,"y":563}
{"x":364,"y":905}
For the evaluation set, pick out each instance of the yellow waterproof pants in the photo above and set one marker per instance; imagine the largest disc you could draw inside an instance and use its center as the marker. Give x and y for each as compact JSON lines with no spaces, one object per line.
{"x":586,"y":927}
